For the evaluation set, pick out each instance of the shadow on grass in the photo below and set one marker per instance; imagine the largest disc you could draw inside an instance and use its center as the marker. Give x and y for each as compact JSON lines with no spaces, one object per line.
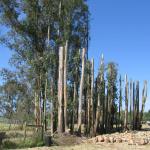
{"x":7,"y":144}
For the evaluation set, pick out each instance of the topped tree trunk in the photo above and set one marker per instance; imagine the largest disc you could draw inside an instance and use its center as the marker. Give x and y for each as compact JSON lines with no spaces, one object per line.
{"x":81,"y":92}
{"x":131,"y":101}
{"x":144,"y":97}
{"x":137,"y":106}
{"x":60,"y":92}
{"x":91,"y":103}
{"x":120,"y":102}
{"x":126,"y":103}
{"x":65,"y":85}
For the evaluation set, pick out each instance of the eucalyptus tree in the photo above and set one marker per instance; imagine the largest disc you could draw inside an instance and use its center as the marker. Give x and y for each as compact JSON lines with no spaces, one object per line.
{"x":112,"y":93}
{"x":100,"y":108}
{"x":16,"y":99}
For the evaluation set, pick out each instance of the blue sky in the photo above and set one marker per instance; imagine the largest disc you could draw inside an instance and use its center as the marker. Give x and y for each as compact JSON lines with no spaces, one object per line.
{"x":120,"y":29}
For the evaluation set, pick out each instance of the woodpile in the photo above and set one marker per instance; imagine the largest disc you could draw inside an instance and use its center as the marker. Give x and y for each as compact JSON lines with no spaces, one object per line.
{"x":131,"y":138}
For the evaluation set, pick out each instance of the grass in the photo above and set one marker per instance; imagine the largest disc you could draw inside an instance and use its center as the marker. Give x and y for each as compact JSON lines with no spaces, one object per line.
{"x":7,"y":127}
{"x":15,"y":137}
{"x":15,"y":140}
{"x":28,"y":143}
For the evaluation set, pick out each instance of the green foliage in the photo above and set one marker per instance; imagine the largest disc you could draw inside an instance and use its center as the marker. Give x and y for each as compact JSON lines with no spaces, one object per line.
{"x":34,"y":56}
{"x":14,"y":97}
{"x":112,"y":74}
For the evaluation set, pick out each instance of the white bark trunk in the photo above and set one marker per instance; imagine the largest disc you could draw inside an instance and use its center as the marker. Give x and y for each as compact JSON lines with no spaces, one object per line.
{"x":81,"y":91}
{"x":65,"y":86}
{"x":60,"y":91}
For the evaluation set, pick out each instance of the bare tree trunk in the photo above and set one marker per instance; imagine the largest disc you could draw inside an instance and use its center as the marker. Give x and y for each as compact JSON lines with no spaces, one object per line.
{"x":137,"y":105}
{"x":48,"y":35}
{"x":120,"y":102}
{"x":73,"y":111}
{"x":131,"y":104}
{"x":106,"y":107}
{"x":86,"y":96}
{"x":81,"y":92}
{"x":65,"y":86}
{"x":59,"y":13}
{"x":51,"y":119}
{"x":126,"y":103}
{"x":60,"y":92}
{"x":104,"y":111}
{"x":37,"y":109}
{"x":41,"y":99}
{"x":52,"y":107}
{"x":91,"y":103}
{"x":44,"y":101}
{"x":97,"y":115}
{"x":144,"y":97}
{"x":102,"y":91}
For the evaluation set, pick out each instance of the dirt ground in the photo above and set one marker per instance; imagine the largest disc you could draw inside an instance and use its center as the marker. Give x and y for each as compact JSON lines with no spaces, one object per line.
{"x":102,"y":146}
{"x":129,"y":141}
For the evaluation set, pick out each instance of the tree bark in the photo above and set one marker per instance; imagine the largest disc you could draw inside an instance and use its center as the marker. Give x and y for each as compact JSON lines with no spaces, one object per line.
{"x":81,"y":92}
{"x":106,"y":109}
{"x":144,"y":97}
{"x":133,"y":105}
{"x":73,"y":109}
{"x":37,"y":109}
{"x":52,"y":107}
{"x":44,"y":101}
{"x":137,"y":105}
{"x":60,"y":92}
{"x":89,"y":105}
{"x":97,"y":115}
{"x":131,"y":101}
{"x":120,"y":102}
{"x":92,"y":100}
{"x":126,"y":104}
{"x":65,"y":85}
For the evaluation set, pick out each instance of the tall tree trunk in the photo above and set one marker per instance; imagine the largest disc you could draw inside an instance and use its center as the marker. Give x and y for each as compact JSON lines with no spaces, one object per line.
{"x":60,"y":92}
{"x":144,"y":97}
{"x":40,"y":97}
{"x":37,"y":109}
{"x":126,"y":103}
{"x":52,"y":108}
{"x":97,"y":115}
{"x":133,"y":105}
{"x":137,"y":105}
{"x":65,"y":86}
{"x":131,"y":101}
{"x":81,"y":92}
{"x":102,"y":91}
{"x":110,"y":103}
{"x":120,"y":102}
{"x":106,"y":109}
{"x":89,"y":105}
{"x":44,"y":101}
{"x":73,"y":109}
{"x":59,"y":13}
{"x":48,"y":35}
{"x":85,"y":91}
{"x":92,"y":100}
